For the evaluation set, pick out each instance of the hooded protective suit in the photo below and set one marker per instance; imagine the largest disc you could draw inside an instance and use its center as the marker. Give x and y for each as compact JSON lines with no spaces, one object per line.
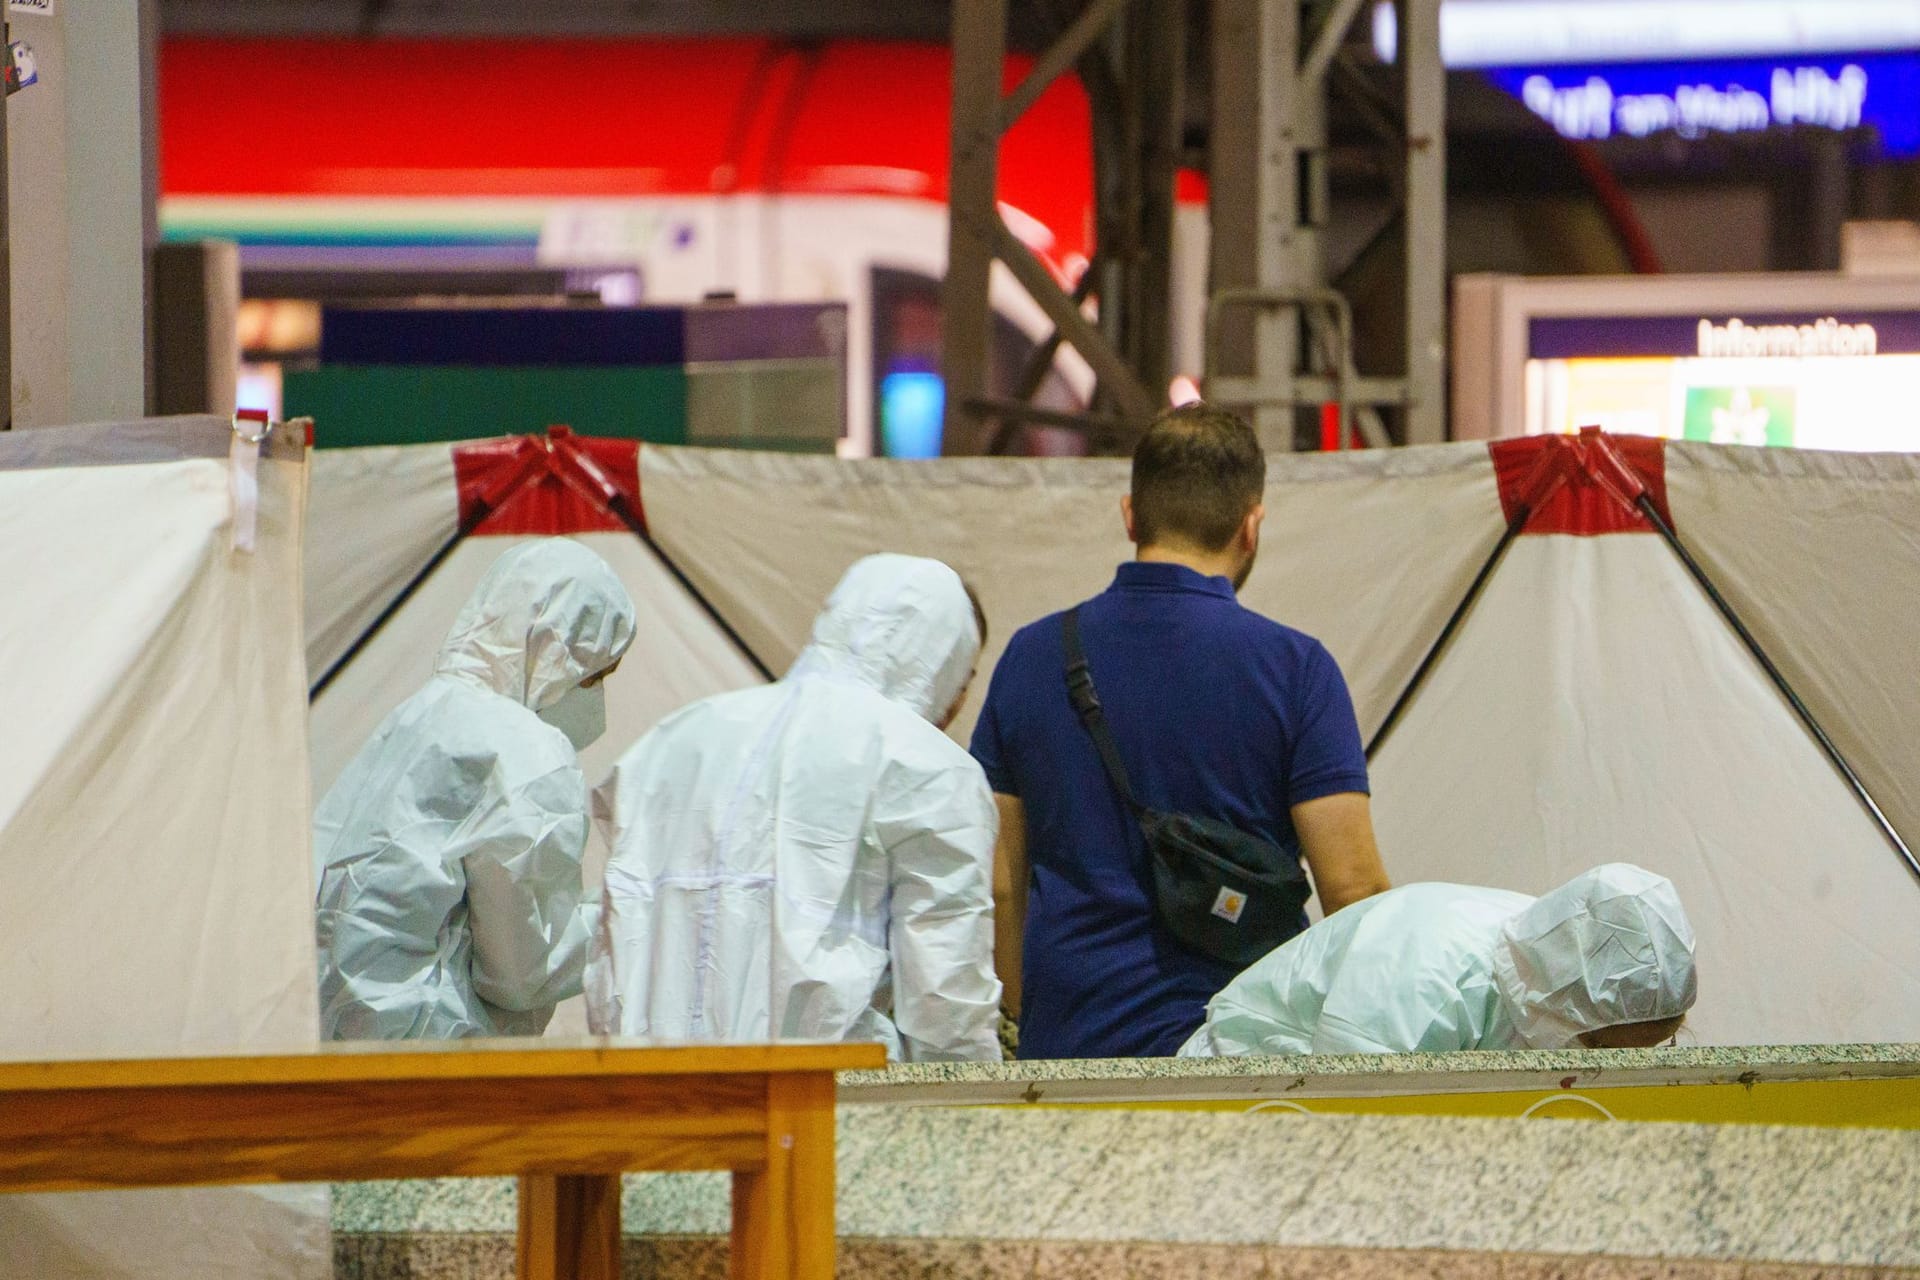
{"x":448,"y":852}
{"x":812,"y":859}
{"x":1430,"y":968}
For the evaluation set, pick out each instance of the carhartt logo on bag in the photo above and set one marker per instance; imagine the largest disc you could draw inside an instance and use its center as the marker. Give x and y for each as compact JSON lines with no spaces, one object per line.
{"x":1228,"y":905}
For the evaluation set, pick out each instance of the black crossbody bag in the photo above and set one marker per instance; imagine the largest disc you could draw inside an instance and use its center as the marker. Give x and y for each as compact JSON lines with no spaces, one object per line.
{"x":1217,"y":889}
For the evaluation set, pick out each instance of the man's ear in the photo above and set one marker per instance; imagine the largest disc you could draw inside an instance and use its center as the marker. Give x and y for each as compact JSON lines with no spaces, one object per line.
{"x":1250,"y":527}
{"x":1126,"y":515}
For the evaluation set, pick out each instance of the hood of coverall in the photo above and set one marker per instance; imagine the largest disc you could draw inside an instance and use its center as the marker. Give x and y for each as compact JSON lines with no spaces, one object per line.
{"x":901,"y":625}
{"x":1608,"y":947}
{"x":547,"y":616}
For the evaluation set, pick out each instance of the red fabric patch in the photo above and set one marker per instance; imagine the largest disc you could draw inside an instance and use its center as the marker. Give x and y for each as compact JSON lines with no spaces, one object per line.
{"x":548,"y":486}
{"x":1586,"y":484}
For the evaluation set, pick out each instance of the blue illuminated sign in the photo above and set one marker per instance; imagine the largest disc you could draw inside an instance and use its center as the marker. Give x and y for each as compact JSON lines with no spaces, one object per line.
{"x":912,"y":403}
{"x":1698,"y":99}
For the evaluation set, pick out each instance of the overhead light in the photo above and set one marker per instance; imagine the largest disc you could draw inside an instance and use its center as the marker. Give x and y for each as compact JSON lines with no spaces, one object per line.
{"x":1520,"y":33}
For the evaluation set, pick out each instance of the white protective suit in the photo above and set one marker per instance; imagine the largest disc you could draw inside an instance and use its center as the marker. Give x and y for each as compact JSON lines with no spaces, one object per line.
{"x":1431,"y":968}
{"x":812,"y":859}
{"x":448,"y":852}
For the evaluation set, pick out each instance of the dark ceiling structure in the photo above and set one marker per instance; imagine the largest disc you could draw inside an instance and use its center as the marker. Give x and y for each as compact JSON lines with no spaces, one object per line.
{"x":797,"y":19}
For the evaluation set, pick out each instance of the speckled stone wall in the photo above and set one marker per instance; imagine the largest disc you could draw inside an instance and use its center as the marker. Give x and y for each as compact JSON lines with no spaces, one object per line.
{"x":703,"y":1258}
{"x":1056,"y":1192}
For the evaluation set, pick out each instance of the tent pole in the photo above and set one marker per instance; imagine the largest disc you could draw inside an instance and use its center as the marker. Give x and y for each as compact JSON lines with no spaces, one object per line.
{"x":1780,"y":682}
{"x":484,"y":506}
{"x":394,"y":605}
{"x":1515,"y":524}
{"x":618,"y":504}
{"x":587,"y":477}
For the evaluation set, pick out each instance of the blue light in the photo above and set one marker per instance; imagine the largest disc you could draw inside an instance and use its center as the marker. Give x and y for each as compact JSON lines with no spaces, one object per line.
{"x":1695,"y":99}
{"x":912,"y":405}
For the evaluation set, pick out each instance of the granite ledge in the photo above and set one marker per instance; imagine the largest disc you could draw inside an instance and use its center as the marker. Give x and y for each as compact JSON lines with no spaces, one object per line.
{"x":1025,"y":1176}
{"x":1368,"y":1075}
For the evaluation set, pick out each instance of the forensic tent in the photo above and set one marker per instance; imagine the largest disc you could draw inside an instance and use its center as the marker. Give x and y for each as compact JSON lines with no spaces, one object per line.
{"x":760,"y":539}
{"x":155,"y":893}
{"x":418,"y":525}
{"x":1591,"y":701}
{"x":1599,"y":701}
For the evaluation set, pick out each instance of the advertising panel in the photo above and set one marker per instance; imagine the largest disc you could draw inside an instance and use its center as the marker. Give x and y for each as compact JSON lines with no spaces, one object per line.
{"x":1834,"y":381}
{"x":1807,"y":360}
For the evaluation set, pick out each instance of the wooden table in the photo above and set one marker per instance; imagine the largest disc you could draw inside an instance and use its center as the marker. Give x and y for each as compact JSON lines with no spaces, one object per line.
{"x":566,"y":1118}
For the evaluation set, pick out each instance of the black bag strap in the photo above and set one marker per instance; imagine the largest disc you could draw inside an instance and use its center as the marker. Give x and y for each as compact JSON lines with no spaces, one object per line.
{"x":1086,"y":703}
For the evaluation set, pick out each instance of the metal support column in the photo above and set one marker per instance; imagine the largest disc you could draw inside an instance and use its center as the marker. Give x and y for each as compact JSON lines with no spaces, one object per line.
{"x":1156,"y":66}
{"x":1134,"y":78}
{"x":1253,"y":184}
{"x":1424,"y":90}
{"x":973,"y":217}
{"x":1122,"y":48}
{"x":1281,"y":349}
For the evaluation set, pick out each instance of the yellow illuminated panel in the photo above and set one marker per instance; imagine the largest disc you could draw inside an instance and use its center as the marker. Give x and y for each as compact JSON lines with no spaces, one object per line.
{"x":1868,"y":1104}
{"x":1860,"y":403}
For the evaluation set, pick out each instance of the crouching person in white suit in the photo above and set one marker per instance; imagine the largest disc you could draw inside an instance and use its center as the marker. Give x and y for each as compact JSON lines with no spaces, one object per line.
{"x":812,"y":859}
{"x":449,"y":849}
{"x":1604,"y":961}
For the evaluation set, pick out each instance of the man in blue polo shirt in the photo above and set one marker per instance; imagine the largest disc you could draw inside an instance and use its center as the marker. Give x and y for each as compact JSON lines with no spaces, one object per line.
{"x":1217,"y":711}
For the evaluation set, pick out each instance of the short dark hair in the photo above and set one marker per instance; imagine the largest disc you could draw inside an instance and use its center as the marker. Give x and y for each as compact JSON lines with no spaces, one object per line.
{"x":979,"y":614}
{"x":1196,"y":474}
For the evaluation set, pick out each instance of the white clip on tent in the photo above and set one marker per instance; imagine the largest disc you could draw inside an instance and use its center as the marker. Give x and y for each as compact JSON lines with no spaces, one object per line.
{"x":154,"y":806}
{"x":1591,"y":704}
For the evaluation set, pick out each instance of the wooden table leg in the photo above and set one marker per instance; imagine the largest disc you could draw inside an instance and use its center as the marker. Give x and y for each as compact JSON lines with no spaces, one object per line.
{"x":569,"y":1227}
{"x":807,"y":1102}
{"x":757,"y":1247}
{"x":783,"y":1223}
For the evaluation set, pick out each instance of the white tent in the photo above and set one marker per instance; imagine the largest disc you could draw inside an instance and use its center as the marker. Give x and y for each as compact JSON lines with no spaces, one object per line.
{"x":1593,"y":705}
{"x":154,"y":894}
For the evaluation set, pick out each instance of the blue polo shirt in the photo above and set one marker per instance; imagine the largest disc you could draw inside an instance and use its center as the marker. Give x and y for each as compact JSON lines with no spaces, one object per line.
{"x":1217,"y":712}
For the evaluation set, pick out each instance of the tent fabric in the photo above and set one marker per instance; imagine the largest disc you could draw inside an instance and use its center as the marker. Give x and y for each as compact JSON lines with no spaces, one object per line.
{"x":1366,"y":551}
{"x":678,"y":655}
{"x":1595,"y":709}
{"x":1820,"y":555}
{"x":1633,"y":700}
{"x":153,"y":810}
{"x":376,"y":516}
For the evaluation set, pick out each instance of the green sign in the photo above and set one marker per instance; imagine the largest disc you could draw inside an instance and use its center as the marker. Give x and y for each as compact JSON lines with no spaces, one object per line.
{"x":1740,"y":415}
{"x":411,"y":404}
